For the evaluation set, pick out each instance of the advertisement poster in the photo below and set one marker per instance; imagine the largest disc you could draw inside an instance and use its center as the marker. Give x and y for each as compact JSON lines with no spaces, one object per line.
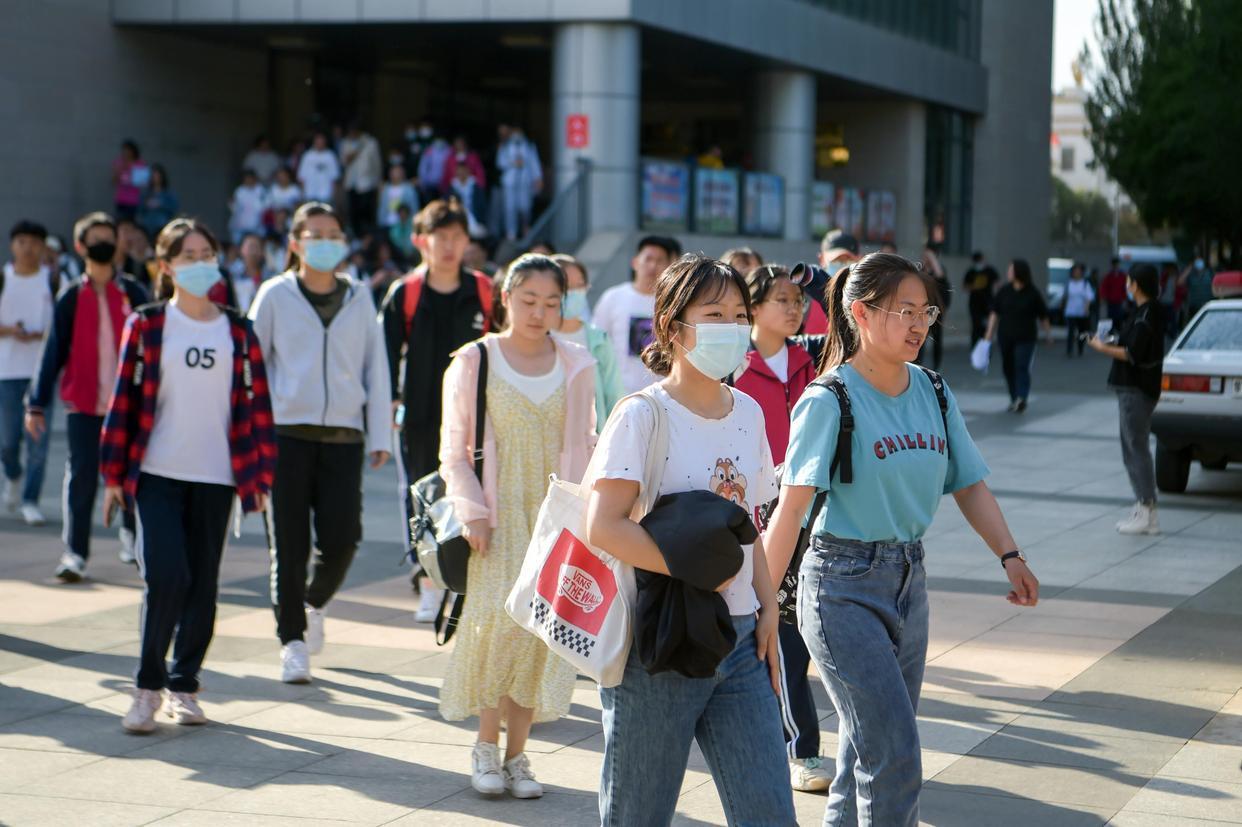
{"x":665,"y":196}
{"x":881,"y":216}
{"x":716,"y":201}
{"x":850,"y":211}
{"x":823,"y":207}
{"x":764,"y":204}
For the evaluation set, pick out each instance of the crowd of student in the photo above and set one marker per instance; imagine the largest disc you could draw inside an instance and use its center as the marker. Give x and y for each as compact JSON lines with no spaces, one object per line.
{"x":191,"y":409}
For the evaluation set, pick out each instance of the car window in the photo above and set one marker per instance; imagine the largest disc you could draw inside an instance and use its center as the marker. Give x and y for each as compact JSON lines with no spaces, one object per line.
{"x":1215,"y":330}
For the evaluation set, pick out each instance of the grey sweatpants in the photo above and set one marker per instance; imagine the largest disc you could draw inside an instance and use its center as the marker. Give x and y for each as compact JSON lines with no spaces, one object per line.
{"x":1136,"y":409}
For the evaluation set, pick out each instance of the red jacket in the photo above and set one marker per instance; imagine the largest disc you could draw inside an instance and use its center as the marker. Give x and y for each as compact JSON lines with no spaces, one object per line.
{"x":131,"y":413}
{"x":450,"y":170}
{"x":777,"y":398}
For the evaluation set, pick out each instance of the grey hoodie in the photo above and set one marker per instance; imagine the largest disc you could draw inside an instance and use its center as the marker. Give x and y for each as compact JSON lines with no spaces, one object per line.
{"x":335,"y":376}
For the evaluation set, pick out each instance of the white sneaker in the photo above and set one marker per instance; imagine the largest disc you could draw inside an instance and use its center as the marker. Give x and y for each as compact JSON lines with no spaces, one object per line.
{"x":519,"y":780}
{"x":809,"y":775}
{"x":485,"y":769}
{"x":141,"y":716}
{"x":12,"y":495}
{"x":128,"y":541}
{"x":183,"y":708}
{"x":314,"y":630}
{"x":1144,"y":521}
{"x":1129,"y":517}
{"x":295,"y":662}
{"x":428,"y":603}
{"x":32,"y":515}
{"x":71,"y":568}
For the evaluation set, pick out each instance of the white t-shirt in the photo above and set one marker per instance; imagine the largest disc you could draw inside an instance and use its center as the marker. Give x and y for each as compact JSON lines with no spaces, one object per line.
{"x":535,"y":388}
{"x":1078,"y":298}
{"x":626,"y":315}
{"x":25,"y":299}
{"x":285,"y":198}
{"x":779,"y":363}
{"x":248,"y":206}
{"x":318,"y":171}
{"x":728,"y":456}
{"x":190,"y":438}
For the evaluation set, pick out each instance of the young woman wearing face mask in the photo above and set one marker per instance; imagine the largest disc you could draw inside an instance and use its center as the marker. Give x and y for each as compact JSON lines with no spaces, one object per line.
{"x":188,"y":428}
{"x":862,"y":598}
{"x":540,"y":419}
{"x":576,"y":327}
{"x":331,"y":399}
{"x":702,"y":332}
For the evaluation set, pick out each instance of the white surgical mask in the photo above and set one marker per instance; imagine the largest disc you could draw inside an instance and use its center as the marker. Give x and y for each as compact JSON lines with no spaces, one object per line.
{"x":718,"y":348}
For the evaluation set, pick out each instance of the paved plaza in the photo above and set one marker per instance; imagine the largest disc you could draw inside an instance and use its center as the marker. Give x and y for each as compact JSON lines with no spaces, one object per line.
{"x":1116,"y":701}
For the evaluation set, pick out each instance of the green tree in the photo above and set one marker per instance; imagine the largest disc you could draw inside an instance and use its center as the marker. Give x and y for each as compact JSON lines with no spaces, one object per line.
{"x":1165,"y":113}
{"x":1079,"y":216}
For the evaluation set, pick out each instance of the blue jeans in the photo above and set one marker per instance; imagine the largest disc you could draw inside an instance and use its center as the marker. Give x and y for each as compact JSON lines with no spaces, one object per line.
{"x":1016,"y":361}
{"x":13,"y":433}
{"x":650,"y":721}
{"x":862,"y":608}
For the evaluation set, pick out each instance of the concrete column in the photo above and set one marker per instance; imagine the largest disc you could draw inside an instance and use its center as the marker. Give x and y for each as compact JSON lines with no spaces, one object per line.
{"x":785,"y":119}
{"x":595,"y":73}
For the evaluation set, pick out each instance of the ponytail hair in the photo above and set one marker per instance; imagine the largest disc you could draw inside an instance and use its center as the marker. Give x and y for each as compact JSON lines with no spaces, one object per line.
{"x":691,"y":279}
{"x":873,"y":279}
{"x":168,"y":246}
{"x":297,"y":224}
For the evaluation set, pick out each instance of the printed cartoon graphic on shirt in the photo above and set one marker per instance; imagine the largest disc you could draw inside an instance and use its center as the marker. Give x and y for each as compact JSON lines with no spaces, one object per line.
{"x":729,"y":482}
{"x":641,"y":334}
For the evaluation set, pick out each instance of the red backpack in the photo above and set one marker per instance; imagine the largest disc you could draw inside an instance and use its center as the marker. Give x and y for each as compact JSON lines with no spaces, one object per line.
{"x":414,"y":291}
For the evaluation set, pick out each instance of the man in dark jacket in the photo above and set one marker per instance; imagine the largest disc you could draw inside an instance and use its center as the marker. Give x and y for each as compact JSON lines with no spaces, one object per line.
{"x":979,"y":282}
{"x":82,"y":349}
{"x":427,"y":315}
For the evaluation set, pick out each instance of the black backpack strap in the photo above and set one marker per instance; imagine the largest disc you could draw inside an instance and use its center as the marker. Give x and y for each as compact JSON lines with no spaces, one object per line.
{"x":448,"y":625}
{"x":844,"y":456}
{"x":480,"y":410}
{"x":942,"y":399}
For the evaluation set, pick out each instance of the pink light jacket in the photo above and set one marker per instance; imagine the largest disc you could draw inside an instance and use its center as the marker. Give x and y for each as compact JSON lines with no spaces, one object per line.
{"x":471,"y":500}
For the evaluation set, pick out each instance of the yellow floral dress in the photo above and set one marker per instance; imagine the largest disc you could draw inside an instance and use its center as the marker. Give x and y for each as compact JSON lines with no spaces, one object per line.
{"x":494,"y":657}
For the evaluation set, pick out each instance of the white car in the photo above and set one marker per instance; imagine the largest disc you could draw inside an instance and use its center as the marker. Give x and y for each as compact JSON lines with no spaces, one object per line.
{"x":1199,"y":415}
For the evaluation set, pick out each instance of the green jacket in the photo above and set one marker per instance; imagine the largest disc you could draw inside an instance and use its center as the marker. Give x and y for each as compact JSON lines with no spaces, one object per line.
{"x":608,"y":389}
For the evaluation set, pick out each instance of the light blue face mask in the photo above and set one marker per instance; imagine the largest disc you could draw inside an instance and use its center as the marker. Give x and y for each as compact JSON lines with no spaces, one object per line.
{"x":718,"y":348}
{"x":197,"y":278}
{"x":324,"y":254}
{"x":576,"y":306}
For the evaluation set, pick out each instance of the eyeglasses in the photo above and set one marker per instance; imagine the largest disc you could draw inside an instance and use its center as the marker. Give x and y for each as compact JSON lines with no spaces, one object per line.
{"x":799,"y":305}
{"x":927,"y":316}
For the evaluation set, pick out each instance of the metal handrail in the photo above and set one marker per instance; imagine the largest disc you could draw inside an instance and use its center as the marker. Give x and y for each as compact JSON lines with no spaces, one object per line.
{"x":566,"y":221}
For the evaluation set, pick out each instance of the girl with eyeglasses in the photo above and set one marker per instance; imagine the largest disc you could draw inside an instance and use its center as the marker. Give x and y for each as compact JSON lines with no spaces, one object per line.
{"x":331,"y":397}
{"x":862,"y":595}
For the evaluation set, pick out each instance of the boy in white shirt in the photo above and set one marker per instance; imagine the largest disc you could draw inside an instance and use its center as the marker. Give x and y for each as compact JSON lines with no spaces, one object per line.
{"x":625,"y":311}
{"x":26,"y":295}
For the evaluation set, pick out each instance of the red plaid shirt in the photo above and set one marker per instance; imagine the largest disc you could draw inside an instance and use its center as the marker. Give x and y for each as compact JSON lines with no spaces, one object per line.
{"x":131,"y":411}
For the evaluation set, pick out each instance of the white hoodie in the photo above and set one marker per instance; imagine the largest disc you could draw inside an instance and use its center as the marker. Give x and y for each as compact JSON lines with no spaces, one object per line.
{"x":335,"y":376}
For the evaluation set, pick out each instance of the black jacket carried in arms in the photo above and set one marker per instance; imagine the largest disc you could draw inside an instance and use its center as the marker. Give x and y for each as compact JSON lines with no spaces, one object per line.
{"x":682,"y":624}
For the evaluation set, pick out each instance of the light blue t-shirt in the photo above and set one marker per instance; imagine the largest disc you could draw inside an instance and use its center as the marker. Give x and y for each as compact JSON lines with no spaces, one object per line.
{"x":902,"y":464}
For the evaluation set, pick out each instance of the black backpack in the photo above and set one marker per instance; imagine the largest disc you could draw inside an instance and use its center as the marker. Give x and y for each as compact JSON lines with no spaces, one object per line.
{"x":842,"y":461}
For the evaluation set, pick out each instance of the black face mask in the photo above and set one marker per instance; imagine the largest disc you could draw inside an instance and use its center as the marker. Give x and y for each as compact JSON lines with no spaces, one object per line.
{"x":101,"y":252}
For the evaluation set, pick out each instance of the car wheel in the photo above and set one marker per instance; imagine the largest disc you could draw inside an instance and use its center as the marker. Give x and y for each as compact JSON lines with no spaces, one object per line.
{"x":1172,"y":469}
{"x":1215,"y":465}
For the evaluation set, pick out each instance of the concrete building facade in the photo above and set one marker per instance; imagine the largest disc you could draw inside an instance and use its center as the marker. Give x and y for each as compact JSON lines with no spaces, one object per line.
{"x":942,"y":103}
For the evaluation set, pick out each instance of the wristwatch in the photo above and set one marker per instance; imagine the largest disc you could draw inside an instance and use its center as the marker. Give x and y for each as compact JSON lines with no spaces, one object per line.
{"x":1011,"y":555}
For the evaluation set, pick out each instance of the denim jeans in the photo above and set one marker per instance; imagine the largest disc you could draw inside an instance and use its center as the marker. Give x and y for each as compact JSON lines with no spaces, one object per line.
{"x":651,"y":720}
{"x":1016,"y":361}
{"x":862,"y":608}
{"x":1136,"y":409}
{"x":13,"y":433}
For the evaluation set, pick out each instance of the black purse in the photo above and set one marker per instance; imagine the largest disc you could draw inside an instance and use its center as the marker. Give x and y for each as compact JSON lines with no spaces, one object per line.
{"x":437,"y":535}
